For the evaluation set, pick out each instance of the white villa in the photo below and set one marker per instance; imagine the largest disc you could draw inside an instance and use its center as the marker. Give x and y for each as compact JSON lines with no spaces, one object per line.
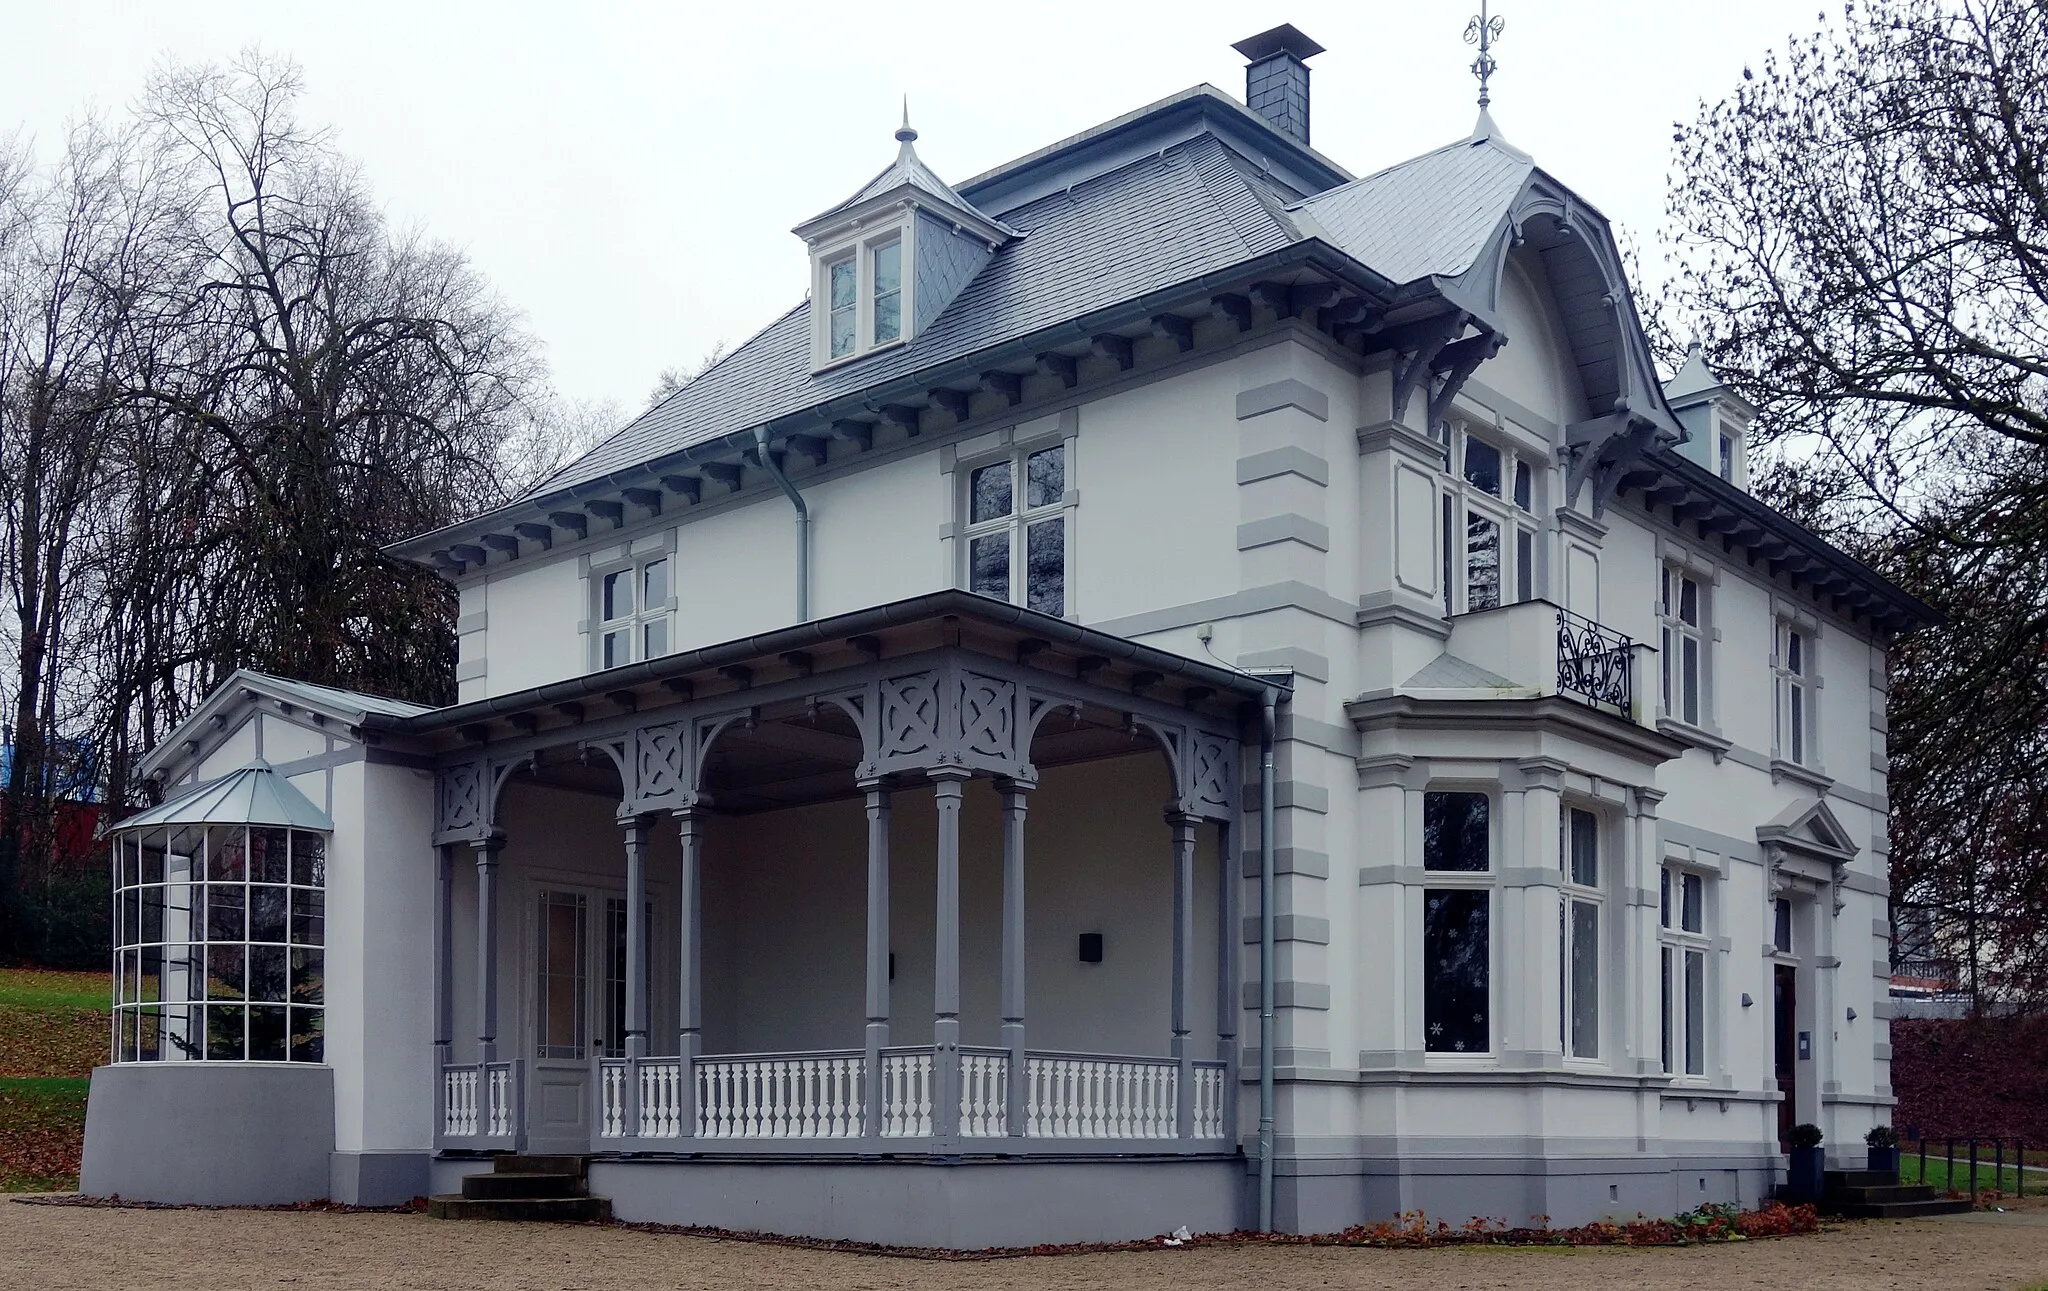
{"x":1179,"y":686}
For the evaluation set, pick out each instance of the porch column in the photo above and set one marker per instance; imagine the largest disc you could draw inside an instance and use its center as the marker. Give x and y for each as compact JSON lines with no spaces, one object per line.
{"x":637,"y":828}
{"x":877,"y":1035}
{"x":1184,"y":826}
{"x":487,"y":948}
{"x":1228,"y":1010}
{"x":1014,"y":797}
{"x":689,"y":954}
{"x":444,"y":957}
{"x":947,"y":789}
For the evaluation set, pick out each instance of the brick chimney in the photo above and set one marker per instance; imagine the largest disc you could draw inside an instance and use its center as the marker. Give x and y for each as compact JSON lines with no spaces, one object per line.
{"x":1276,"y":78}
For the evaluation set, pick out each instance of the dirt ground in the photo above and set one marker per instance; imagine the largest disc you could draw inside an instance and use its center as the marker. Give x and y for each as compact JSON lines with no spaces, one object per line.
{"x":78,"y":1249}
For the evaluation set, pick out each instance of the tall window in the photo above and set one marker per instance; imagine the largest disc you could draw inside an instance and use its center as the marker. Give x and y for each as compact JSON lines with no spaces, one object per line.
{"x":1682,"y":923}
{"x":1795,"y":693}
{"x":842,"y":278}
{"x":219,"y":940}
{"x":1457,"y":942}
{"x":887,"y":266}
{"x":1016,"y":533}
{"x":633,"y":612}
{"x":1489,"y":529}
{"x":563,"y":988}
{"x":1781,"y":926}
{"x":615,"y":973}
{"x":1681,"y":608}
{"x":1579,"y":934}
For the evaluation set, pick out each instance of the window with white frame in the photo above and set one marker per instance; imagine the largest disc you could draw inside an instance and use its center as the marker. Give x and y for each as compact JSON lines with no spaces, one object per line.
{"x":633,"y":605}
{"x":1579,"y":934}
{"x":1015,"y":538}
{"x":1457,"y":939}
{"x":1682,"y":934}
{"x":1796,"y":678}
{"x":861,"y":286}
{"x":1489,"y":525}
{"x":1682,"y":611}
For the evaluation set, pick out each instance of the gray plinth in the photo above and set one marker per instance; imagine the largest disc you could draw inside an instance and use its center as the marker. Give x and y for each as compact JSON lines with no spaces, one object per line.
{"x":211,"y":1134}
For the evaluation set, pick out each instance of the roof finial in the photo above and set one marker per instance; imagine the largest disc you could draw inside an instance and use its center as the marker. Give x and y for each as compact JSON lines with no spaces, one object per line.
{"x":1483,"y":31}
{"x":904,"y":134}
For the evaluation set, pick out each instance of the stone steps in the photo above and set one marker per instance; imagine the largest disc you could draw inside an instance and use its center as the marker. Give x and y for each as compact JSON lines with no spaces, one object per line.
{"x":1873,"y":1194}
{"x":534,"y":1189}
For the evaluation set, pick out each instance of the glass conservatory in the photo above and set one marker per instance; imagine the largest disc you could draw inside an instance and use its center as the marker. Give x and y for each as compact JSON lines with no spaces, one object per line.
{"x":219,"y":906}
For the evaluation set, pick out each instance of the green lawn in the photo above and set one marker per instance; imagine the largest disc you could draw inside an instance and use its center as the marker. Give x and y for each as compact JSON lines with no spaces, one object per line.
{"x":1989,"y":1178}
{"x":42,"y":1124}
{"x":36,"y":989}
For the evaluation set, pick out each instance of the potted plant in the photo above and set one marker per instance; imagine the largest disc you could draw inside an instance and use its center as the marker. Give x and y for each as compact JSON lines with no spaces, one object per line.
{"x":1883,"y":1144}
{"x":1809,"y":1162}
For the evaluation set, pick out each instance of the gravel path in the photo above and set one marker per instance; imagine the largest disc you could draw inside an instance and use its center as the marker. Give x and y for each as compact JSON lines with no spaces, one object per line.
{"x":78,"y":1249}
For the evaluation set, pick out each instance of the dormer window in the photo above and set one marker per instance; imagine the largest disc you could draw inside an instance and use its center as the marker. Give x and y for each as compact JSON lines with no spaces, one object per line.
{"x":864,"y":295}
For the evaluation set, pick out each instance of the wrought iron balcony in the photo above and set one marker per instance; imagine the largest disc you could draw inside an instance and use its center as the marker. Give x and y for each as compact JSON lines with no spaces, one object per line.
{"x":1594,"y":663}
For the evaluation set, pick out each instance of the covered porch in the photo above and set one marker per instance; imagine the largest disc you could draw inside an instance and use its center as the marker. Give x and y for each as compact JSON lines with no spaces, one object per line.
{"x":948,"y":884}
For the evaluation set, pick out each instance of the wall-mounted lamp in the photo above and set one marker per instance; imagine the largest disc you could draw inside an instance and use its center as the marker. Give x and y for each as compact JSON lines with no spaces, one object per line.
{"x":1091,"y":947}
{"x":1852,"y":1015}
{"x":1746,"y":1001}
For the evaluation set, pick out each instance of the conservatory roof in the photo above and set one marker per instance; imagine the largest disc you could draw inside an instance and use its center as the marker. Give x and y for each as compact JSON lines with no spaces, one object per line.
{"x":251,"y":795}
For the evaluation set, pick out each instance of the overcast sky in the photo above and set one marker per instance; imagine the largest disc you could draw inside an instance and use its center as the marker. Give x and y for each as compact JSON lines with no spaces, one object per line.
{"x":627,"y":175}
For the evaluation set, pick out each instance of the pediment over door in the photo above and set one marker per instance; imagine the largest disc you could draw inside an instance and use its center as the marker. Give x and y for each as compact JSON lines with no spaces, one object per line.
{"x":1806,"y":846}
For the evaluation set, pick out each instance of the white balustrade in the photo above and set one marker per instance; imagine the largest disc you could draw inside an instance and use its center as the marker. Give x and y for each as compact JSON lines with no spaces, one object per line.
{"x":504,"y":1113}
{"x":1209,"y":1100}
{"x":906,"y":1093}
{"x":611,"y":1086}
{"x":984,"y":1093}
{"x":781,"y":1096}
{"x":458,"y":1101}
{"x":1080,"y":1096}
{"x":661,"y":1098}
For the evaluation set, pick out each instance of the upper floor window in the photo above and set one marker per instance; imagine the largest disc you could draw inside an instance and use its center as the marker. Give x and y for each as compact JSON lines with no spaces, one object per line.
{"x":1682,"y":930}
{"x":1682,"y":607}
{"x":1795,"y":692}
{"x":1457,"y":939}
{"x":1579,"y":934}
{"x":633,"y":606}
{"x":862,"y":288}
{"x":1489,"y":526}
{"x":1016,"y":530}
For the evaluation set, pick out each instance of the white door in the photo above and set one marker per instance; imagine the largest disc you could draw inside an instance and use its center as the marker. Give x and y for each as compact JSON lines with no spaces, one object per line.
{"x":577,"y":984}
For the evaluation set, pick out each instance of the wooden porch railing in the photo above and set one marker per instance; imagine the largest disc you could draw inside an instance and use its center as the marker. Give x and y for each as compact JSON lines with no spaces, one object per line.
{"x":823,"y":1096}
{"x":483,"y":1106}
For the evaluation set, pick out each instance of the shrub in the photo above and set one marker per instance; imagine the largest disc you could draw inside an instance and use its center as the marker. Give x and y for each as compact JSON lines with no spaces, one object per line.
{"x":1882,"y":1136}
{"x":1806,"y":1136}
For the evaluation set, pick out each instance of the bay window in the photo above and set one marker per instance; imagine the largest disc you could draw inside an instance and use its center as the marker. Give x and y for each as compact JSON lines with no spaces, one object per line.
{"x":1579,"y":934}
{"x":1683,"y":970}
{"x":1457,"y":940}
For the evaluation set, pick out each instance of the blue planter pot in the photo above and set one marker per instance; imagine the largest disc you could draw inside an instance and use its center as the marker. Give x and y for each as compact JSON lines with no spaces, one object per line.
{"x":1808,"y":1167}
{"x":1884,"y":1160}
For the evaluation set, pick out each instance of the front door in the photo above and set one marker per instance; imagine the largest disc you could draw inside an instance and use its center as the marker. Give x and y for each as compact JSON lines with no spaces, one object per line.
{"x":577,"y":985}
{"x":1785,"y":1006}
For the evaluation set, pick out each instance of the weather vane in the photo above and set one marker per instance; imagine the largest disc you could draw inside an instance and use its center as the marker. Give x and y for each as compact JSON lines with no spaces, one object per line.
{"x":1483,"y":31}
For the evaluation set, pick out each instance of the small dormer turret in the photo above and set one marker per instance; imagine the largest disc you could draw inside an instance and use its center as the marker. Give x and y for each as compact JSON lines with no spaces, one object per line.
{"x":1716,"y":419}
{"x":888,"y":260}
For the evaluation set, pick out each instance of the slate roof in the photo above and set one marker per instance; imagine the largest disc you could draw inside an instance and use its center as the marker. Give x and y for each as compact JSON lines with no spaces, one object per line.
{"x":1194,"y":208}
{"x":1449,"y":672}
{"x":1693,"y":377}
{"x":332,"y":699}
{"x":908,"y":170}
{"x":1429,"y":216}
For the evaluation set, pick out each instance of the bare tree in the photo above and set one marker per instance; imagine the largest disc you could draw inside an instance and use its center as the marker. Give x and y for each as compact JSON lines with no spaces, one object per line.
{"x":1860,"y":234}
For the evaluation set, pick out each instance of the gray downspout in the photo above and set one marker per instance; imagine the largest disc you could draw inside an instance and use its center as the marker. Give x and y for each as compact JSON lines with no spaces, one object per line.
{"x":1266,"y":739}
{"x":803,"y":523}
